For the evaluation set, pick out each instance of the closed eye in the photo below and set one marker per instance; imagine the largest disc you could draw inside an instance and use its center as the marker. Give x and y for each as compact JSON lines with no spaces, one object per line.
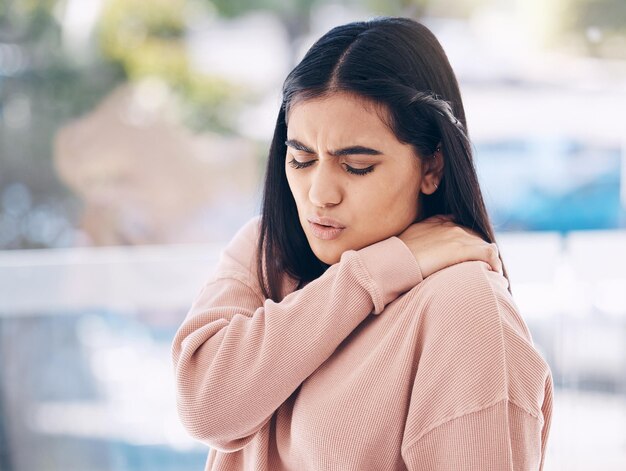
{"x":359,"y":171}
{"x":355,"y":171}
{"x":297,"y":164}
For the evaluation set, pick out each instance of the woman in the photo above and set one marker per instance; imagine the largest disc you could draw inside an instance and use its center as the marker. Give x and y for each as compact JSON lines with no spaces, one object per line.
{"x":355,"y":325}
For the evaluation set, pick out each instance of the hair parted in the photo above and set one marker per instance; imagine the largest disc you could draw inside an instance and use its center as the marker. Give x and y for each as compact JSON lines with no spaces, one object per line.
{"x":397,"y":65}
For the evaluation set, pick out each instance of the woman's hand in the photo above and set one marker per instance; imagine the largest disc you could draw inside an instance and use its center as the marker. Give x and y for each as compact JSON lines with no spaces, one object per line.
{"x":437,"y":242}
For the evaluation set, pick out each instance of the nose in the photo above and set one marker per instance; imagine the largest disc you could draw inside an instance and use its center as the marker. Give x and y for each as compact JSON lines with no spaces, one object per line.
{"x":325,"y":189}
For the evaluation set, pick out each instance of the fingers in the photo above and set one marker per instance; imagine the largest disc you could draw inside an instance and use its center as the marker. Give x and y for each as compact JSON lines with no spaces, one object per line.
{"x":487,"y":253}
{"x":494,"y":257}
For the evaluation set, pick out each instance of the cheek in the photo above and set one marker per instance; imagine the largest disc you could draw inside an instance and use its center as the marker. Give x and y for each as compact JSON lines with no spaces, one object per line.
{"x":394,"y":201}
{"x":290,"y":178}
{"x":406,"y":198}
{"x":391,"y":192}
{"x":296,"y":184}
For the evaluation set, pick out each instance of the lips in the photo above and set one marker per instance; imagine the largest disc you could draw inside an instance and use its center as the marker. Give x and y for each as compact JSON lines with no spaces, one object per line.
{"x":325,"y":232}
{"x":325,"y":228}
{"x":325,"y":221}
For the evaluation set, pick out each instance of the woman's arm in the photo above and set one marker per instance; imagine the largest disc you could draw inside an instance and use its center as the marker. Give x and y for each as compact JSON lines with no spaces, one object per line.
{"x":238,"y":357}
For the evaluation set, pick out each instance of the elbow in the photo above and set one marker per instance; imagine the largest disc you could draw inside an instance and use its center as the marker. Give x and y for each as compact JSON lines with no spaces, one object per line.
{"x":201,"y":410}
{"x":208,"y":413}
{"x":210,"y":409}
{"x":211,"y":429}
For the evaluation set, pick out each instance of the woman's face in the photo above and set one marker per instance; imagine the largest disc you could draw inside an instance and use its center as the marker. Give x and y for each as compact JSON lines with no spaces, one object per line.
{"x":344,"y":163}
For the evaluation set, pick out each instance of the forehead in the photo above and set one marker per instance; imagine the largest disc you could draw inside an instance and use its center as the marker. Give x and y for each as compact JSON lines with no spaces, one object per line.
{"x":339,"y":113}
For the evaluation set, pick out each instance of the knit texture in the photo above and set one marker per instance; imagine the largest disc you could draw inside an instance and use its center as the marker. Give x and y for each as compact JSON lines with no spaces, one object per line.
{"x":368,"y":367}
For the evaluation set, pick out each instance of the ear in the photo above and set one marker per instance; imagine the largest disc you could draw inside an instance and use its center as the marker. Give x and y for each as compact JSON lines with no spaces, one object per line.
{"x":432,"y":172}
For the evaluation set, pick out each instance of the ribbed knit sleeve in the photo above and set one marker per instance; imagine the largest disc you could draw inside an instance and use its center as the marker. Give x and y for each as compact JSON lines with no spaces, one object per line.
{"x":238,"y":357}
{"x":482,"y":395}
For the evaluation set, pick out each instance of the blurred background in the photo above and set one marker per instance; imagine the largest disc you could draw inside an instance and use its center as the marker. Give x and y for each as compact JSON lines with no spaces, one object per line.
{"x":133,"y":135}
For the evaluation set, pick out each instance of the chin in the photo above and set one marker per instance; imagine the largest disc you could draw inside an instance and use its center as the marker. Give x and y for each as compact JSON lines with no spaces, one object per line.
{"x":326,"y":257}
{"x":329,"y":260}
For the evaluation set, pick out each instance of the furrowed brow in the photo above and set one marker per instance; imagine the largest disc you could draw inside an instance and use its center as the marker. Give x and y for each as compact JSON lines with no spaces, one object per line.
{"x":352,"y":150}
{"x":356,"y":150}
{"x":298,"y":146}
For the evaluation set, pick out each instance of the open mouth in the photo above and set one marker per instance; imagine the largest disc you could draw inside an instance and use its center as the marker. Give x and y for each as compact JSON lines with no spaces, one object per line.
{"x":324,"y":232}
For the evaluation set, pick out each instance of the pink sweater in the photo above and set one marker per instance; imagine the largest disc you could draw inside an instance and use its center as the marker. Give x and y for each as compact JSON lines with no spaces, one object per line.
{"x":368,"y":367}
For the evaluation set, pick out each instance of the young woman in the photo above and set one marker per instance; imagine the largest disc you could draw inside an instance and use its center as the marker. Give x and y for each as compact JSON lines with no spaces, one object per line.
{"x":364,"y":320}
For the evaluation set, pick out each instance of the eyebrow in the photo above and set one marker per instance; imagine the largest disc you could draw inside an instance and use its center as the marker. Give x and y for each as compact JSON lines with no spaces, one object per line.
{"x":352,"y":150}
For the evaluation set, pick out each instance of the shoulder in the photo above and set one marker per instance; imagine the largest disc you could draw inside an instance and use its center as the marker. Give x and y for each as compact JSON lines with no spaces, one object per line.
{"x":458,"y":304}
{"x":463,"y":286}
{"x":238,"y":259}
{"x":469,"y":321}
{"x":249,"y":232}
{"x":471,"y":291}
{"x":461,"y":276}
{"x":467,"y":311}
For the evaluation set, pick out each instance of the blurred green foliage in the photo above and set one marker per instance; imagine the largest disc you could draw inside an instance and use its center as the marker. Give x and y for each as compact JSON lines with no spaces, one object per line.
{"x":22,"y":19}
{"x":233,"y":8}
{"x":146,"y":37}
{"x":606,"y":18}
{"x":41,"y":89}
{"x":609,"y":15}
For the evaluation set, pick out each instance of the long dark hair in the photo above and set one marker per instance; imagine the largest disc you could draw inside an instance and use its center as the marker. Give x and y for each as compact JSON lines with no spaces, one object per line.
{"x":397,"y":63}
